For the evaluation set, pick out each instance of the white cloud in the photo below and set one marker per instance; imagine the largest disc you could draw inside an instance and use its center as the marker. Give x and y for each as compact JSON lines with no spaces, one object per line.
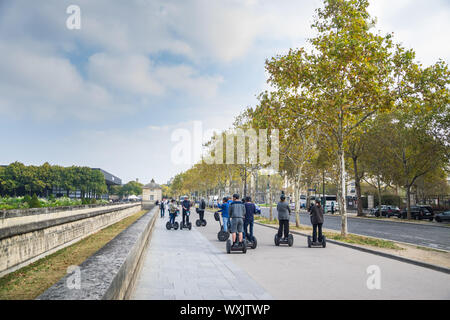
{"x":420,"y":25}
{"x":46,"y":86}
{"x":130,"y":74}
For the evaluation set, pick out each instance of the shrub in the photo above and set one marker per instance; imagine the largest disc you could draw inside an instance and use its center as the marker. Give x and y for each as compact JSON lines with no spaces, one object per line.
{"x":35,"y":203}
{"x":27,"y":199}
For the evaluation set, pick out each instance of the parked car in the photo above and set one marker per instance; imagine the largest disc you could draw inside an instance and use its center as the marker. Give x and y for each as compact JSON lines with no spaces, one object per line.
{"x":429,"y":208}
{"x":418,"y":213}
{"x":386,"y":211}
{"x":442,"y":217}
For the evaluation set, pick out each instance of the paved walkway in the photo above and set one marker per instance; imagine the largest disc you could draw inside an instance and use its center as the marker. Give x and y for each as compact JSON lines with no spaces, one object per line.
{"x":183,"y":264}
{"x":271,"y":272}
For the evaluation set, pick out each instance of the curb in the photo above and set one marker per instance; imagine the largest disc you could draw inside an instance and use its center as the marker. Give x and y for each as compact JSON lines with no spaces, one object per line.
{"x":430,"y":224}
{"x":372,"y":251}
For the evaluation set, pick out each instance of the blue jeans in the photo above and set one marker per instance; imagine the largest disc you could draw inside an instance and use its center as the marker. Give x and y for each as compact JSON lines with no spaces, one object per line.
{"x":225,"y":223}
{"x":248,"y":235}
{"x":162,"y":212}
{"x":172,"y":218}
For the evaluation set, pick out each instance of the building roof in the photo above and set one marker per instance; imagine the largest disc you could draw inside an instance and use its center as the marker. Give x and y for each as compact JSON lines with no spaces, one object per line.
{"x":152,"y":185}
{"x":109,"y":178}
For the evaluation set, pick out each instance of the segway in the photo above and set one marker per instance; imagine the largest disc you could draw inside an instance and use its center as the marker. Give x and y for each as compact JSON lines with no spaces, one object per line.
{"x":188,"y":225}
{"x":221,"y":235}
{"x":174,"y":225}
{"x":252,"y":243}
{"x":199,"y":222}
{"x":289,"y":241}
{"x":241,"y":247}
{"x":317,"y":244}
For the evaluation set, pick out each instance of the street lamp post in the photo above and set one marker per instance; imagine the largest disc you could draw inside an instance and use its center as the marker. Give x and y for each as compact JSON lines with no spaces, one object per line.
{"x":323,"y":190}
{"x":270,"y":198}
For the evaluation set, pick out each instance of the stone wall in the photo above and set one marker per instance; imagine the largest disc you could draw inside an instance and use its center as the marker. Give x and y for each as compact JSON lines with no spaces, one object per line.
{"x":111,"y":272}
{"x":27,"y":238}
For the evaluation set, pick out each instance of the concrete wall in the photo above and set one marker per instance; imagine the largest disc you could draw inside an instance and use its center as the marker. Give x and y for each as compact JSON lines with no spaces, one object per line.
{"x":111,"y":272}
{"x":26,"y":238}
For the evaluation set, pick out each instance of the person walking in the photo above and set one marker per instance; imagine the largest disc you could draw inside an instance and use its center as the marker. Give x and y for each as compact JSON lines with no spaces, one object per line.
{"x":284,"y":211}
{"x":161,"y":207}
{"x":317,"y":220}
{"x":249,"y":219}
{"x":186,"y":205}
{"x":237,"y":213}
{"x":332,"y":207}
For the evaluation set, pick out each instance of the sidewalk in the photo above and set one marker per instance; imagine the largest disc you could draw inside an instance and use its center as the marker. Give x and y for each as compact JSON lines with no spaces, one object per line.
{"x":182,"y":264}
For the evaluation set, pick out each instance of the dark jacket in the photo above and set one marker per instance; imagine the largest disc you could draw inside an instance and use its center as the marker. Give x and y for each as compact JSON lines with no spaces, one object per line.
{"x":237,"y":210}
{"x":283,"y":210}
{"x":316,"y":215}
{"x":202,"y":206}
{"x":250,"y":210}
{"x":186,"y":204}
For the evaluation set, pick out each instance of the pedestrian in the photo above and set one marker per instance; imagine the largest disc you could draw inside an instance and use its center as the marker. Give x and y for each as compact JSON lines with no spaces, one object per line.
{"x":332,"y":207}
{"x":284,"y":211}
{"x":250,"y":210}
{"x":237,"y":213}
{"x":161,"y":207}
{"x":317,"y":220}
{"x":186,"y":205}
{"x":201,"y":209}
{"x":224,"y":209}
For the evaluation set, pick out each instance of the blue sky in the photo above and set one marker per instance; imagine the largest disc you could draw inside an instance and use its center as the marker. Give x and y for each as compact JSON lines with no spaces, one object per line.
{"x":110,"y":95}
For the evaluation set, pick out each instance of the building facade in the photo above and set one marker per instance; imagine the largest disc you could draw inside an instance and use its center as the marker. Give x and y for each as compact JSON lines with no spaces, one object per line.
{"x":152,"y":192}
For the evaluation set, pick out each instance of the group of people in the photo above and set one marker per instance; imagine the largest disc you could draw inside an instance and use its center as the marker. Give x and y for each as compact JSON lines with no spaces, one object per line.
{"x":240,"y":215}
{"x":284,"y":211}
{"x":242,"y":218}
{"x":186,"y":205}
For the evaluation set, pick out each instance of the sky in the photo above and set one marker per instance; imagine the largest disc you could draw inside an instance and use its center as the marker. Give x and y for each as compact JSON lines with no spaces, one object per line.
{"x":112,"y":93}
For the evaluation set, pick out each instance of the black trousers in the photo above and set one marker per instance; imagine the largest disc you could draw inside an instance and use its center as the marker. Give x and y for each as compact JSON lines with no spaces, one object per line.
{"x":201,"y":215}
{"x":185,"y":218}
{"x":284,"y":225}
{"x":315,"y":227}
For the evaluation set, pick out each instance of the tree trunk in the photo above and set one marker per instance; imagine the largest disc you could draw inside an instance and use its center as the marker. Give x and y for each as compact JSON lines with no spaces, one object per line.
{"x":297,"y":203}
{"x":357,"y":188}
{"x":408,"y":202}
{"x":379,"y":195}
{"x":342,"y":193}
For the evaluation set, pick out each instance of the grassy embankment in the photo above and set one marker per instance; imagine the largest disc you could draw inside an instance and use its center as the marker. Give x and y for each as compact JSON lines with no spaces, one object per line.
{"x":32,"y":280}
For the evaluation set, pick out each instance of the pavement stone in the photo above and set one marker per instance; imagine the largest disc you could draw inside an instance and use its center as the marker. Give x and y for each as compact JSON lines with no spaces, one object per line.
{"x":184,"y":265}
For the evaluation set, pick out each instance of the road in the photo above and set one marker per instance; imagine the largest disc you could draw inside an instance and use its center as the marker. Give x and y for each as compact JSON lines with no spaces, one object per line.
{"x":432,"y":236}
{"x":194,"y":265}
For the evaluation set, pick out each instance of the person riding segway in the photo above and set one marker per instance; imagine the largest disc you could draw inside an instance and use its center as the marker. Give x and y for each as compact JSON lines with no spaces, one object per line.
{"x":237,"y":213}
{"x":316,"y":214}
{"x":250,"y":210}
{"x":201,"y":212}
{"x":173,"y":211}
{"x":186,"y":206}
{"x":284,"y":211}
{"x":224,"y":233}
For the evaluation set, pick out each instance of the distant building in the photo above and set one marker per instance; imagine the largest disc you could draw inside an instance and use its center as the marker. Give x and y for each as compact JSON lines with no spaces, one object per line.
{"x":152,"y":192}
{"x":110,"y":180}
